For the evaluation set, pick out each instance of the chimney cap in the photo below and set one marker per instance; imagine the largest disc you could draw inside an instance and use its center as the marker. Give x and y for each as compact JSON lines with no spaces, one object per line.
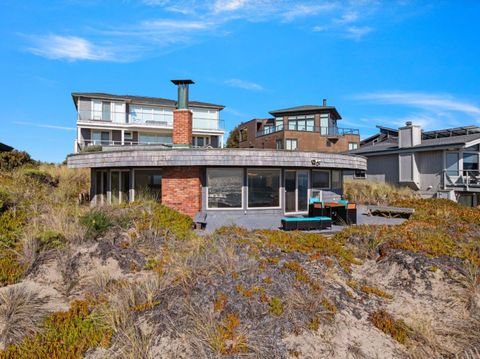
{"x":324,"y":102}
{"x":408,"y":123}
{"x":183,"y":82}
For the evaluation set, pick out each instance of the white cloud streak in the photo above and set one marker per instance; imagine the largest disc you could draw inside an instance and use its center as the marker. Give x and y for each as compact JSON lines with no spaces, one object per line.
{"x":246,"y":85}
{"x":70,"y":48}
{"x":43,"y":125}
{"x":191,"y":21}
{"x":431,"y":102}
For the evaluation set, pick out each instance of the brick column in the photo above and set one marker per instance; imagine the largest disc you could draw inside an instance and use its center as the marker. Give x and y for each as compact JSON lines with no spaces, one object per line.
{"x":182,"y":127}
{"x":182,"y":189}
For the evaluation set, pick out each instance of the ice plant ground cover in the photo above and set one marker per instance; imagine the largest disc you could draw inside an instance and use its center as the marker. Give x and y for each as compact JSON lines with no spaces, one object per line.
{"x":136,"y":281}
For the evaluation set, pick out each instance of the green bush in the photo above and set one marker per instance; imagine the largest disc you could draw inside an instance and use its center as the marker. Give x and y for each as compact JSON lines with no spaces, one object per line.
{"x":41,"y":176}
{"x":97,"y":223}
{"x":13,"y":159}
{"x":11,"y":223}
{"x":170,"y":222}
{"x":92,"y":148}
{"x":5,"y":201}
{"x":51,"y":239}
{"x":65,"y":335}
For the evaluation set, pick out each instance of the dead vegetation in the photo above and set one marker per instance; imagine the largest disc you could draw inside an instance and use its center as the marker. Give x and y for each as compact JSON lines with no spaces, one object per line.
{"x":141,"y":284}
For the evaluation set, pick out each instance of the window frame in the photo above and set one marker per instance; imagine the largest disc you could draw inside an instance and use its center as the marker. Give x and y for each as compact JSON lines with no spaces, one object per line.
{"x":291,"y":139}
{"x":355,"y":176}
{"x":207,"y":188}
{"x":279,"y":187}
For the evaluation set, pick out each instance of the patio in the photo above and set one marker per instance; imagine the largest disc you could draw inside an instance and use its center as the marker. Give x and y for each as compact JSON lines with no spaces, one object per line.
{"x":272,"y":221}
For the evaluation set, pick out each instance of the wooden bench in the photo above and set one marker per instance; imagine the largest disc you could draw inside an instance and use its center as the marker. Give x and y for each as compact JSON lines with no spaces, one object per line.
{"x":392,"y":212}
{"x":200,"y":220}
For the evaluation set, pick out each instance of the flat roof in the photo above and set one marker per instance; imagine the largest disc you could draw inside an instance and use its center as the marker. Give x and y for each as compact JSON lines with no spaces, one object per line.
{"x":159,"y":156}
{"x":306,"y":108}
{"x":142,"y":100}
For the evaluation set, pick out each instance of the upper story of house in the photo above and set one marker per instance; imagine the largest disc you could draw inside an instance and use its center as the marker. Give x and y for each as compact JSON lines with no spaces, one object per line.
{"x":107,"y":119}
{"x":426,"y":160}
{"x":306,"y":128}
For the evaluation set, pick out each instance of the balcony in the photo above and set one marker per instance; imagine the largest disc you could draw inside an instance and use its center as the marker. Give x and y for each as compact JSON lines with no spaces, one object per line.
{"x":99,"y":145}
{"x":160,"y":119}
{"x":323,"y":131}
{"x":467,"y":179}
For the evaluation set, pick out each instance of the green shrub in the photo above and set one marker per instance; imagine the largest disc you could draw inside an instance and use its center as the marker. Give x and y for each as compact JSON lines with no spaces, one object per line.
{"x":97,"y":223}
{"x":11,"y":270}
{"x":41,"y":176}
{"x":92,"y":148}
{"x":65,"y":335}
{"x":11,"y":223}
{"x":5,"y":200}
{"x":13,"y":159}
{"x":51,"y":239}
{"x":275,"y":306}
{"x":167,"y":222}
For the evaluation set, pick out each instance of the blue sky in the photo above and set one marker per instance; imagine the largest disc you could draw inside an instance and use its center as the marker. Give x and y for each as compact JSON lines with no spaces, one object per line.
{"x":379,"y":62}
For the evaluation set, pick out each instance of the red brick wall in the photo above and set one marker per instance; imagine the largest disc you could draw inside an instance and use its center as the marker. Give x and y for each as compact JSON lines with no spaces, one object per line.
{"x":182,"y":127}
{"x":182,"y":189}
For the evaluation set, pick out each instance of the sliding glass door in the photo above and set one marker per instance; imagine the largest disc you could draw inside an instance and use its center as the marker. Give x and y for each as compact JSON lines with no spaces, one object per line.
{"x":296,"y":191}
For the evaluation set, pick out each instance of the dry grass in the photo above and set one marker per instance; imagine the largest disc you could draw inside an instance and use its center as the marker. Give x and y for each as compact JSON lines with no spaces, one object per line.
{"x":369,"y":192}
{"x":20,"y":311}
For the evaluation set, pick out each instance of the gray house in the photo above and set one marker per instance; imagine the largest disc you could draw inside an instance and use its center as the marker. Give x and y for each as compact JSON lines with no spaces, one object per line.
{"x":442,"y":163}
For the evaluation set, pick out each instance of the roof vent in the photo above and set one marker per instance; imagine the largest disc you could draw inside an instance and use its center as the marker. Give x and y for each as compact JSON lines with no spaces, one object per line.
{"x":182,"y":102}
{"x":324,"y":102}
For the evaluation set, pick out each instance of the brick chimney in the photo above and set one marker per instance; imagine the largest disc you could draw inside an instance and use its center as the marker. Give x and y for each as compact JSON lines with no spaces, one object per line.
{"x":182,"y":116}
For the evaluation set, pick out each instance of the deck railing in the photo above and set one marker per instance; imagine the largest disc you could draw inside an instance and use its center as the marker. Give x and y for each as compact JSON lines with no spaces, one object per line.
{"x":164,"y":120}
{"x":97,"y":145}
{"x":465,"y":179}
{"x":324,"y":131}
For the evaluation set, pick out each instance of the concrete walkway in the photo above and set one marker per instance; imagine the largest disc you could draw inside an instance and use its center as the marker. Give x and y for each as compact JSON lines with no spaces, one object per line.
{"x":271,"y":221}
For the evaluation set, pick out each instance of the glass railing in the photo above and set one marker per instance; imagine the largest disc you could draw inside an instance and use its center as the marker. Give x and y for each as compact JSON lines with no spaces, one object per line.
{"x":146,"y":119}
{"x":324,"y":131}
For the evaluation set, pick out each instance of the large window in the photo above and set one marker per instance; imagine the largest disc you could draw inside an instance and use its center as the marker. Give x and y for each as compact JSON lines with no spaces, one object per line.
{"x":148,"y":185}
{"x":152,"y":138}
{"x":149,"y":114}
{"x":291,"y":144}
{"x":301,"y":123}
{"x":320,"y":179}
{"x":263,"y":188}
{"x":470,"y":161}
{"x":452,"y":163}
{"x":224,"y":187}
{"x":279,"y":123}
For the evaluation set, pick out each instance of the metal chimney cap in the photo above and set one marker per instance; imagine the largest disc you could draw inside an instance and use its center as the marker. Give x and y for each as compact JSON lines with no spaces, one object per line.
{"x":182,"y":82}
{"x":408,"y":123}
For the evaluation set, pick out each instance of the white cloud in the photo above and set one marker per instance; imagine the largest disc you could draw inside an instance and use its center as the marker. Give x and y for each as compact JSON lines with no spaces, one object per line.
{"x":228,"y":5}
{"x":246,"y":85}
{"x":302,"y":10}
{"x":348,"y":17}
{"x":70,"y":48}
{"x":357,"y":32}
{"x":43,"y":125}
{"x":432,"y":102}
{"x":173,"y":25}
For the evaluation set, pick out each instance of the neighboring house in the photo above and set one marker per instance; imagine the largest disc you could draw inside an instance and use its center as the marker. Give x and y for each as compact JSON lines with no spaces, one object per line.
{"x":5,"y":148}
{"x":442,"y":163}
{"x":105,"y":119}
{"x":306,"y":128}
{"x":213,"y":180}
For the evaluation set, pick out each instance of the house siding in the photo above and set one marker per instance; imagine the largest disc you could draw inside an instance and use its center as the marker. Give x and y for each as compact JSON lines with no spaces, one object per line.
{"x":383,"y":168}
{"x":430,"y":166}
